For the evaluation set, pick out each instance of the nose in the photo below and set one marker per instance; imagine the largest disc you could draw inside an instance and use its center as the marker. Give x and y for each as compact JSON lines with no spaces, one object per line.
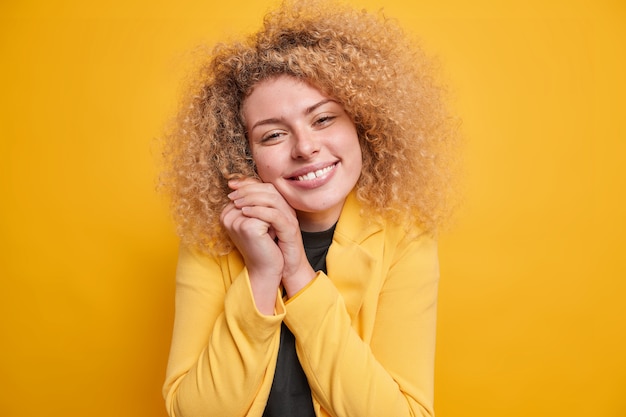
{"x":305,"y":145}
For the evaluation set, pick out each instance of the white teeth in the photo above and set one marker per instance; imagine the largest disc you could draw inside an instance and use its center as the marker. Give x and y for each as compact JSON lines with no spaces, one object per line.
{"x":312,"y":175}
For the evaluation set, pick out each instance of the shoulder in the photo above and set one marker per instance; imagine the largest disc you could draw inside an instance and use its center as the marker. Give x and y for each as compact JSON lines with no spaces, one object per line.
{"x":194,"y":264}
{"x":356,"y":226}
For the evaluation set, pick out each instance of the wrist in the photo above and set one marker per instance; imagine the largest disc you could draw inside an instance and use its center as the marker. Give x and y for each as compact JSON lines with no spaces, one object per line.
{"x":264,"y":292}
{"x":298,"y":280}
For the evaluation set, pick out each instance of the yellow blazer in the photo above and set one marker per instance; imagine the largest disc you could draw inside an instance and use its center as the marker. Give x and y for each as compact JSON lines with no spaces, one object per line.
{"x":365,"y":333}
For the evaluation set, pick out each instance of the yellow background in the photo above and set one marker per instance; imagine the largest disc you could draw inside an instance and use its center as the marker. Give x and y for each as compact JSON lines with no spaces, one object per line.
{"x":531,"y":320}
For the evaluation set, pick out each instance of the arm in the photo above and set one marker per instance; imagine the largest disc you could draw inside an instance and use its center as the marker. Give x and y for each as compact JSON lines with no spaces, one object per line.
{"x":393,"y":374}
{"x":222,"y":346}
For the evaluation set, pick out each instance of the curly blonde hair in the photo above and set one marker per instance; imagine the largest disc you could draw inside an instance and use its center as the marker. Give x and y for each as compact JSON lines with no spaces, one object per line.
{"x":365,"y":61}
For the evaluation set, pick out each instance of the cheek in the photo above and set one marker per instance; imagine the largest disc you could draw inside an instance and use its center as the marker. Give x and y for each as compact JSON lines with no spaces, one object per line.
{"x":264,"y":168}
{"x":265,"y":172}
{"x":355,"y":150}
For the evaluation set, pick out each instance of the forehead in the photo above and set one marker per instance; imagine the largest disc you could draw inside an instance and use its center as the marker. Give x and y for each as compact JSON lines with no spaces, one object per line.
{"x":284,"y":91}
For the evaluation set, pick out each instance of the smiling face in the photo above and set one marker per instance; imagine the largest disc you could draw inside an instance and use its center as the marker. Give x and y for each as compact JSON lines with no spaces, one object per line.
{"x":305,"y":144}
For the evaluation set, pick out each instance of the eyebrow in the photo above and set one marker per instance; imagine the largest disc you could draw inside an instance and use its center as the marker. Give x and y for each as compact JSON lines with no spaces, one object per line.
{"x":307,"y":111}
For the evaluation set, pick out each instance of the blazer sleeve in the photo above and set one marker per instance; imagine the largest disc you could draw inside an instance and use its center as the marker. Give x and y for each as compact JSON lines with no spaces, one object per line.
{"x":222,"y":347}
{"x":393,"y":373}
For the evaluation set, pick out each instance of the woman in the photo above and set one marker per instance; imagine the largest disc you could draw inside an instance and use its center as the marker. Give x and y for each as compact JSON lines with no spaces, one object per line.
{"x":308,"y":172}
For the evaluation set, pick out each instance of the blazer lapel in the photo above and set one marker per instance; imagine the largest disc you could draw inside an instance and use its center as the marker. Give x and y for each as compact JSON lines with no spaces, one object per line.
{"x":354,"y":256}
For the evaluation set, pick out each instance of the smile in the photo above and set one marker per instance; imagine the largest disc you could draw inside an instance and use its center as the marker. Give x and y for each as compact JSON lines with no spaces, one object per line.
{"x":315,"y":174}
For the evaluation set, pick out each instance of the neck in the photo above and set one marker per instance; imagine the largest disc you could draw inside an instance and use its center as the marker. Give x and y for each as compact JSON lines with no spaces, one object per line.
{"x":319,"y":221}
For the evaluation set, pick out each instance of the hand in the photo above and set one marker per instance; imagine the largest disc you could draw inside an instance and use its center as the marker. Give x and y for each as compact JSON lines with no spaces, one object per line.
{"x":254,"y":238}
{"x":261,"y":201}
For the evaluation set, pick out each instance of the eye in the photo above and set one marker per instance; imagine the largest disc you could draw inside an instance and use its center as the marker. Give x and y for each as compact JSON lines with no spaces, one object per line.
{"x":271,"y":136}
{"x":324,"y":120}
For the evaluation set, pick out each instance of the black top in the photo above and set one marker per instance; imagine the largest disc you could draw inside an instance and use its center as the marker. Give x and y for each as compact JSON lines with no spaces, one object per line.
{"x":290,"y":394}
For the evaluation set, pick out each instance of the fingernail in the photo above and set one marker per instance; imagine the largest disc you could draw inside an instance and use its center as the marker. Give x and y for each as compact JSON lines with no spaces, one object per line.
{"x":233,"y":195}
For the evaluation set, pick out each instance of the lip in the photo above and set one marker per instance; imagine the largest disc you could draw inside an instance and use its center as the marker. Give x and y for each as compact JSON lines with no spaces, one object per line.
{"x":315,"y":182}
{"x":310,"y":168}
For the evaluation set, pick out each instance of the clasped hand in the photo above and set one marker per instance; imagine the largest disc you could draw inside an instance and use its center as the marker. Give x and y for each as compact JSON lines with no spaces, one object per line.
{"x":265,"y":230}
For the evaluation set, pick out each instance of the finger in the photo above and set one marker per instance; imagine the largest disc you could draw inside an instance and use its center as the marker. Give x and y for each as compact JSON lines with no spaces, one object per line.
{"x":237,"y":224}
{"x":260,"y":194}
{"x":262,"y":199}
{"x":284,"y":224}
{"x":229,"y":213}
{"x":263,"y":202}
{"x":272,"y":233}
{"x":250,"y":187}
{"x":241,"y":182}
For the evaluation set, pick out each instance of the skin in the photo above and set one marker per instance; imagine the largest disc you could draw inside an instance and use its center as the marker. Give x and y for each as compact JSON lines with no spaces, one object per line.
{"x":308,"y":157}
